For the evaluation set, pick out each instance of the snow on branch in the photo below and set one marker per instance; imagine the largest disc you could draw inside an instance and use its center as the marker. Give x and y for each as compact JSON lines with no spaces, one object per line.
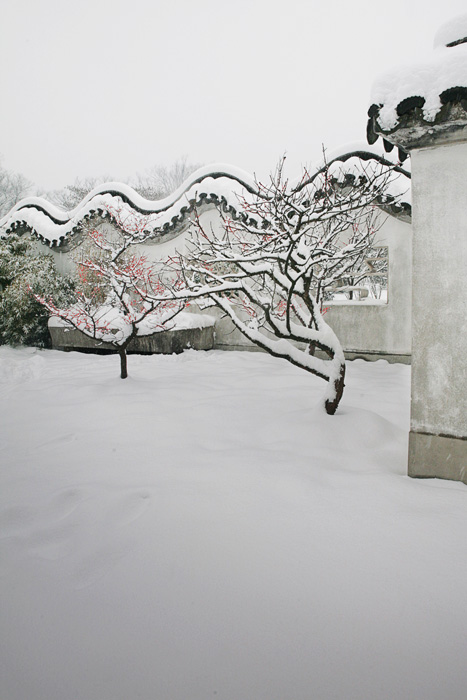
{"x":270,"y":268}
{"x":215,"y":185}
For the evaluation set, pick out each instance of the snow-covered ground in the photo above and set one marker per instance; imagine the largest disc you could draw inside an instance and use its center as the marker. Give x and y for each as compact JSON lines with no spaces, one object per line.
{"x":204,"y":530}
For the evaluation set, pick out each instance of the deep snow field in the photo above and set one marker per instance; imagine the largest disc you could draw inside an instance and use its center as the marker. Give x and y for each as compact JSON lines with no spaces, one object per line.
{"x":204,"y":530}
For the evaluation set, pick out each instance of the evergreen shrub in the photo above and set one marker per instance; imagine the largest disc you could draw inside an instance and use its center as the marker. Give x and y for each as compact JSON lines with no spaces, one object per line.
{"x":23,"y":321}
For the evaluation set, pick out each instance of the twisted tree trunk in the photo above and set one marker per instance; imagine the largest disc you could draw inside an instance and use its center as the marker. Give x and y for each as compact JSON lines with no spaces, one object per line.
{"x":331,"y":406}
{"x":123,"y":363}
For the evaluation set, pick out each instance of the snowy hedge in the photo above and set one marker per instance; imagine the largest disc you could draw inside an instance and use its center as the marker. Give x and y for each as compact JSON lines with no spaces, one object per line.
{"x":23,"y":321}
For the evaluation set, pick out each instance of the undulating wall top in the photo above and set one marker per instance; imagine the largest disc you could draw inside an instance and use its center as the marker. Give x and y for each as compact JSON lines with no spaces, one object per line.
{"x":215,"y":185}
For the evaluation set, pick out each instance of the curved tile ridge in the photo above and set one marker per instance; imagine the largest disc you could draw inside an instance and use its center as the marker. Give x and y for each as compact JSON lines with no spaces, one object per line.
{"x":217,"y":184}
{"x":354,"y":159}
{"x":347,"y":164}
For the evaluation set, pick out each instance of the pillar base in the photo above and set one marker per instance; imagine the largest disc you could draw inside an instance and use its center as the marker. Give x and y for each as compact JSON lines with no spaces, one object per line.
{"x":437,"y":457}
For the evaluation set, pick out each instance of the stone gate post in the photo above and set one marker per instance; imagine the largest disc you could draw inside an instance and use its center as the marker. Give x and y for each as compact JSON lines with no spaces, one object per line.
{"x":423,"y":110}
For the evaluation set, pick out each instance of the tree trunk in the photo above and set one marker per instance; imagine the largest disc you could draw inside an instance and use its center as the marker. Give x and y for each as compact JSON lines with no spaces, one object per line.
{"x":331,"y":406}
{"x":123,"y":363}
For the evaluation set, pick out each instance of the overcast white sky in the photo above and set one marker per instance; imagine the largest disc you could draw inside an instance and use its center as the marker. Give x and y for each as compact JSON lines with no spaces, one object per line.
{"x":112,"y":87}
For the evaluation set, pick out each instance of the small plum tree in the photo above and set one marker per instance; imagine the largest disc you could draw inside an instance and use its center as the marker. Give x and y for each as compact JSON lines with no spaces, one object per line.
{"x":119,"y":294}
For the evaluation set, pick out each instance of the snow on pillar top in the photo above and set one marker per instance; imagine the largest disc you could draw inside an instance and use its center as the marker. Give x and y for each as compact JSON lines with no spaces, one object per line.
{"x":420,"y":105}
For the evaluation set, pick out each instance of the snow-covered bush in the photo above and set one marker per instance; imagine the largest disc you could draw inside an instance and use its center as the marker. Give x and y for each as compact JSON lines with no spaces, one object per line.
{"x":23,"y":321}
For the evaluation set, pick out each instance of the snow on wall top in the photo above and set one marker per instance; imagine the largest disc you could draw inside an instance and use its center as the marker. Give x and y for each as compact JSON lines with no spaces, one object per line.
{"x":440,"y":79}
{"x":216,"y":185}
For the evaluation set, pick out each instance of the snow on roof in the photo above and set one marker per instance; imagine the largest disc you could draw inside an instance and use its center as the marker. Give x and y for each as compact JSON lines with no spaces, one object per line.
{"x":451,"y":33}
{"x":216,"y":185}
{"x":439,"y":79}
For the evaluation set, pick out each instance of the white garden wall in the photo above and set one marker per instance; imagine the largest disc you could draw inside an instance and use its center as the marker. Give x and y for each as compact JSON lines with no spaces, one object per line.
{"x":371,"y":329}
{"x":367,"y":328}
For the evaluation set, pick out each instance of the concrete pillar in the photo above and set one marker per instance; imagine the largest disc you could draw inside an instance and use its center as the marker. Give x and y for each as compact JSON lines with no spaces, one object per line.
{"x":437,"y":142}
{"x":438,"y":422}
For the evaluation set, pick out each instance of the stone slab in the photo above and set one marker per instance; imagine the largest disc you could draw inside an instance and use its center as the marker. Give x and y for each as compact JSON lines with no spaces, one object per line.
{"x":164,"y":342}
{"x":437,"y":457}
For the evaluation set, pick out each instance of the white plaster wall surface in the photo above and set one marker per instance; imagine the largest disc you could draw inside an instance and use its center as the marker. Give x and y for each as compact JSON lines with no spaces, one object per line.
{"x":364,"y":326}
{"x":381,"y":328}
{"x":361,"y":327}
{"x":63,"y":261}
{"x":439,"y":366}
{"x":155,"y":251}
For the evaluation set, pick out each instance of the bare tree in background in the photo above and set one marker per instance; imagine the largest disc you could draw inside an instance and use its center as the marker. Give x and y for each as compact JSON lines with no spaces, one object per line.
{"x":13,"y":187}
{"x":158,"y":182}
{"x":71,"y":195}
